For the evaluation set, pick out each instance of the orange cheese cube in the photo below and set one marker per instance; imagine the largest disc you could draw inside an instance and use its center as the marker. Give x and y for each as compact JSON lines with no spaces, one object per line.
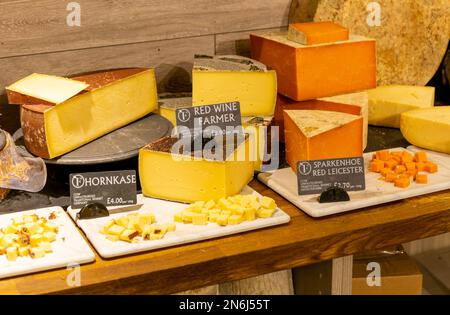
{"x":382,"y":155}
{"x":407,"y":157}
{"x":421,"y":156}
{"x":317,"y":33}
{"x":391,"y":177}
{"x":410,"y":166}
{"x":313,"y":71}
{"x":391,"y":164}
{"x":386,"y":171}
{"x":411,"y":173}
{"x":421,"y":178}
{"x":402,"y":182}
{"x":430,"y":167}
{"x":399,"y":169}
{"x":376,"y":166}
{"x":420,"y":166}
{"x":317,"y":134}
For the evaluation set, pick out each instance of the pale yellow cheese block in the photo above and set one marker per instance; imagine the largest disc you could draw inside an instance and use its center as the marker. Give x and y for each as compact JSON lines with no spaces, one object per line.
{"x":387,"y":103}
{"x":49,"y":88}
{"x":168,"y":107}
{"x":88,"y":116}
{"x":428,"y":128}
{"x":222,"y":79}
{"x":188,"y":179}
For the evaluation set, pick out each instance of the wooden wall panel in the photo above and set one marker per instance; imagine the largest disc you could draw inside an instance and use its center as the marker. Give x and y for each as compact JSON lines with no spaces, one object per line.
{"x":171,"y":58}
{"x":238,"y":43}
{"x":36,"y":26}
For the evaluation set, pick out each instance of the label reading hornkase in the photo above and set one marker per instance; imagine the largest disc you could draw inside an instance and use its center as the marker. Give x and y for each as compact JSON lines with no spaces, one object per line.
{"x":114,"y":188}
{"x":211,"y":119}
{"x":315,"y":176}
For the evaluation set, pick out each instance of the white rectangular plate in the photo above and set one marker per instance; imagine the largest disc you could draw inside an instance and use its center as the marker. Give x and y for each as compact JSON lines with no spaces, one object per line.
{"x":69,"y":248}
{"x":164,"y":212}
{"x":284,"y":182}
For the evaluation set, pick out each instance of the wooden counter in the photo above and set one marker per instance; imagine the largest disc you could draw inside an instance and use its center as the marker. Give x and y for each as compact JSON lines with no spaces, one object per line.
{"x":303,"y":241}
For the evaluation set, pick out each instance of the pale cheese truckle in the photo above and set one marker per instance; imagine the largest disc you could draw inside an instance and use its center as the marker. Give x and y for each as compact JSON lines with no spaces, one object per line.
{"x":428,"y":128}
{"x":387,"y":103}
{"x":222,"y":79}
{"x":166,"y":172}
{"x":320,"y":134}
{"x":112,"y":100}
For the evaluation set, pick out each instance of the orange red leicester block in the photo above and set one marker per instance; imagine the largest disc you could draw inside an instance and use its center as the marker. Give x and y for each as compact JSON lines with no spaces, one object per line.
{"x":317,"y":33}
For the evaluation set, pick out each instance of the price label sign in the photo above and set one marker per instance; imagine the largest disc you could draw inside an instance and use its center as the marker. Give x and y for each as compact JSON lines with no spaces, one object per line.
{"x":116,"y":188}
{"x":316,"y":176}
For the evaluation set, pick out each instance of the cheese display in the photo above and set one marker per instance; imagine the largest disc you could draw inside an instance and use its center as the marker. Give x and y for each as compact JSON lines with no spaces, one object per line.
{"x":190,"y":175}
{"x":312,"y":33}
{"x":28,"y":236}
{"x":428,"y":128}
{"x":168,"y":107}
{"x":136,"y":227}
{"x":35,"y":88}
{"x":387,"y":103}
{"x":313,"y":71}
{"x":319,"y":134}
{"x":353,"y":103}
{"x":115,"y":98}
{"x":222,"y":79}
{"x":259,"y":131}
{"x":401,"y":167}
{"x":227,"y":211}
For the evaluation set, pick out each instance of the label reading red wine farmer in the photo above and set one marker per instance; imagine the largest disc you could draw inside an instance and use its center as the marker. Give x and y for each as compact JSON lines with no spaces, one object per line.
{"x":315,"y":176}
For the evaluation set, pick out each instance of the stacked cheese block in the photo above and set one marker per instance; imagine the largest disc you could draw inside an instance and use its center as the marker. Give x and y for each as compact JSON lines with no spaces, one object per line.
{"x":323,"y":73}
{"x":59,"y":114}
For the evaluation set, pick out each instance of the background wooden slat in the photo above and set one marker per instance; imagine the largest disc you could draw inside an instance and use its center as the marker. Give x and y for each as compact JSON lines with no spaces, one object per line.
{"x":171,"y":58}
{"x":36,"y":26}
{"x":238,"y":43}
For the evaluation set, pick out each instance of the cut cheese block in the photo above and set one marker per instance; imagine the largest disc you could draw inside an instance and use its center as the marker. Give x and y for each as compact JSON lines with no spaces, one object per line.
{"x":312,"y":33}
{"x":354,"y":103}
{"x":259,"y":131}
{"x":223,"y":79}
{"x":43,"y":89}
{"x":185,"y":178}
{"x":313,"y":71}
{"x":319,"y":134}
{"x":3,"y":193}
{"x":428,"y":128}
{"x":386,"y":103}
{"x":168,"y":107}
{"x":117,"y":98}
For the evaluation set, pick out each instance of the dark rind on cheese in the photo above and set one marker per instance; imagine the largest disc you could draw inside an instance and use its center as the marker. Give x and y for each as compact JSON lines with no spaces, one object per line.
{"x":3,"y":193}
{"x":228,"y":63}
{"x":32,"y":115}
{"x":175,"y":103}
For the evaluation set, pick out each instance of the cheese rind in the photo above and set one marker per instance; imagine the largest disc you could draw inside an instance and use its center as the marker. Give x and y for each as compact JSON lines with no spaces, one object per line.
{"x":188,"y":179}
{"x":313,"y":71}
{"x":354,"y":103}
{"x":222,"y":79}
{"x":317,"y":134}
{"x":427,"y":128}
{"x":387,"y":103}
{"x":51,"y":89}
{"x":51,"y":131}
{"x":312,"y":33}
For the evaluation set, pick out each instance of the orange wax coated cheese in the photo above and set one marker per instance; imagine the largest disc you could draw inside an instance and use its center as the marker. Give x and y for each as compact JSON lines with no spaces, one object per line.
{"x":402,"y":182}
{"x":307,"y":72}
{"x":430,"y":167}
{"x":421,"y":178}
{"x":421,"y":156}
{"x":317,"y":33}
{"x":318,"y":134}
{"x":376,"y":166}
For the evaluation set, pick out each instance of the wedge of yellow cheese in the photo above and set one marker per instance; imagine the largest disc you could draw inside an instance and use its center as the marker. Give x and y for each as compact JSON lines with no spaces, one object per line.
{"x":186,"y":178}
{"x":387,"y":103}
{"x":222,"y":79}
{"x":428,"y":128}
{"x":52,"y":89}
{"x":168,"y":107}
{"x":258,"y":129}
{"x":120,"y":97}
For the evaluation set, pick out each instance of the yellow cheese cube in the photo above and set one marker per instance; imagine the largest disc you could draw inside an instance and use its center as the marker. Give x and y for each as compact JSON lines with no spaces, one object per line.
{"x":49,"y":236}
{"x":128,"y":234}
{"x":210,"y":204}
{"x":123,"y":221}
{"x":178,"y":217}
{"x":255,"y":204}
{"x":36,"y":239}
{"x":24,"y":251}
{"x":162,"y":229}
{"x":156,"y":236}
{"x":18,"y":221}
{"x":9,"y":239}
{"x":113,"y":238}
{"x":213,"y":217}
{"x":11,"y":229}
{"x":171,"y":227}
{"x":222,"y":219}
{"x":37,"y":252}
{"x":235,"y":219}
{"x":249,"y":214}
{"x":11,"y":253}
{"x":52,"y":227}
{"x":268,"y":203}
{"x":215,"y":211}
{"x":46,"y":247}
{"x":226,"y":212}
{"x":2,"y":250}
{"x":200,"y":219}
{"x":116,"y":229}
{"x":265,"y":213}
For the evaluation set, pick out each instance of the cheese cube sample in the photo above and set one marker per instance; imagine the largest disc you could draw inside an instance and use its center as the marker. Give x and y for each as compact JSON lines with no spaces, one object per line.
{"x":48,"y":89}
{"x":235,"y":219}
{"x":312,"y":33}
{"x":268,"y":203}
{"x":11,"y":253}
{"x":317,"y":134}
{"x":312,"y":71}
{"x":222,"y":79}
{"x":187,"y":178}
{"x":116,"y":229}
{"x":128,"y":235}
{"x":353,"y":103}
{"x":37,"y":252}
{"x":222,"y":219}
{"x":428,"y":128}
{"x":168,"y":107}
{"x":387,"y":103}
{"x":199,"y":219}
{"x":117,"y":98}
